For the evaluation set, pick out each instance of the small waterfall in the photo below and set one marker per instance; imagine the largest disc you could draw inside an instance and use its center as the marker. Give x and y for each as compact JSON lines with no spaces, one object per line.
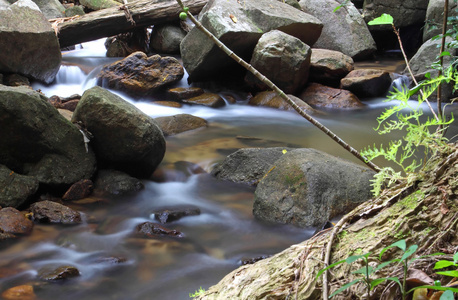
{"x":400,"y":83}
{"x":69,"y":74}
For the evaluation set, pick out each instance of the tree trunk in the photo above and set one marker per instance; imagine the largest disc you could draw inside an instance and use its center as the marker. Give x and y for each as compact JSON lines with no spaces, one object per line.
{"x":112,"y":21}
{"x":424,"y":214}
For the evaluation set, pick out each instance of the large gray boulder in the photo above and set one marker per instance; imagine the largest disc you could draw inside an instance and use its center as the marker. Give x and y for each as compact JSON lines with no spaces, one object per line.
{"x":16,"y":188}
{"x":248,"y":165}
{"x":124,"y":138}
{"x":239,"y":25}
{"x":329,"y":66}
{"x":51,"y":8}
{"x":308,"y":187}
{"x":36,"y":140}
{"x":344,"y":30}
{"x":282,"y":58}
{"x":30,"y":47}
{"x":435,"y":15}
{"x":404,"y":13}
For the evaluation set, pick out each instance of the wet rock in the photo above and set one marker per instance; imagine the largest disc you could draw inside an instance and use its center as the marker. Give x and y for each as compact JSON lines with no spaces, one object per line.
{"x":167,"y":215}
{"x":60,"y":273}
{"x":206,"y":99}
{"x":52,"y":212}
{"x":180,"y":123}
{"x":250,"y":261}
{"x":169,"y":104}
{"x":38,"y":55}
{"x":318,"y":95}
{"x":59,"y":157}
{"x":283,"y":59}
{"x":124,"y":138}
{"x":16,"y":80}
{"x":179,"y":171}
{"x":181,"y":93}
{"x":16,"y":189}
{"x":271,"y":99}
{"x":20,"y":292}
{"x":153,"y":230}
{"x":125,"y":44}
{"x":328,"y":67}
{"x":204,"y":61}
{"x":114,"y":182}
{"x":307,"y":187}
{"x":344,"y":30}
{"x":366,"y":83}
{"x":248,"y":165}
{"x":14,"y":222}
{"x":79,"y":190}
{"x":140,"y":75}
{"x":167,"y":38}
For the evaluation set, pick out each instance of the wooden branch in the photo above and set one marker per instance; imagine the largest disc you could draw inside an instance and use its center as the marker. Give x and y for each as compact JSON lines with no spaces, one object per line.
{"x":112,"y":21}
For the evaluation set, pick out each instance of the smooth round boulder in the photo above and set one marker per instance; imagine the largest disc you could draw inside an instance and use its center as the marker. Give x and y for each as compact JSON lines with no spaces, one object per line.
{"x":318,"y":95}
{"x":329,"y":66}
{"x":367,"y":83}
{"x":307,"y":187}
{"x":124,"y":138}
{"x":17,"y":188}
{"x":172,"y":125}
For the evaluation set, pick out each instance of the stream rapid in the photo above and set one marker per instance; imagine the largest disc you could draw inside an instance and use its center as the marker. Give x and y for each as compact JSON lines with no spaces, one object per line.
{"x":113,"y":263}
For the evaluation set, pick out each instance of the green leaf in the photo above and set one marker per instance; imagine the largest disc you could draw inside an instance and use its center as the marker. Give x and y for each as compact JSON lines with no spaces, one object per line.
{"x":363,"y":271}
{"x":329,"y":267}
{"x":453,"y":273}
{"x":353,"y":258}
{"x":447,"y":295}
{"x":383,"y":265}
{"x":412,"y":249}
{"x":400,"y":244}
{"x":443,"y":264}
{"x":378,"y":281}
{"x":337,"y":8}
{"x":455,"y":257}
{"x":445,"y":53}
{"x":384,"y":19}
{"x":344,"y":287}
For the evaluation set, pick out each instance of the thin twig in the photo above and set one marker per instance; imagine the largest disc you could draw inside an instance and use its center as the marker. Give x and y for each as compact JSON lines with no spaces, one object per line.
{"x":272,"y":86}
{"x":441,"y":62}
{"x":127,"y":13}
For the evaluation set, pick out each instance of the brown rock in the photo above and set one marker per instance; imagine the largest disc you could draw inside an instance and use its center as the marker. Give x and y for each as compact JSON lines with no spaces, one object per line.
{"x":328,"y":66}
{"x":271,"y":99}
{"x":181,"y":93}
{"x":13,"y":221}
{"x":318,"y":95}
{"x":60,"y":273}
{"x":20,"y":292}
{"x":52,"y":212}
{"x":152,"y":230}
{"x":169,"y":103}
{"x":70,"y":105}
{"x":79,"y":190}
{"x":367,"y":82}
{"x":207,"y":99}
{"x":180,"y":123}
{"x":17,"y":80}
{"x":140,"y":75}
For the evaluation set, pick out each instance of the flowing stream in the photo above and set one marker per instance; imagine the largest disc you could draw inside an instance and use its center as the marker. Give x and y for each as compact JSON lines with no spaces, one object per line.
{"x":113,"y":263}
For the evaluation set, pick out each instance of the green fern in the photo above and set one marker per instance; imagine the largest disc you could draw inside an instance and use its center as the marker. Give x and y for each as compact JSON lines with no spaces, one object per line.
{"x":420,"y":136}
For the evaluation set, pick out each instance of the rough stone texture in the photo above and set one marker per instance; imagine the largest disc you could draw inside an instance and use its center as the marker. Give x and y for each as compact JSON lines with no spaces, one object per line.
{"x":167,"y":215}
{"x":79,"y":190}
{"x":204,"y":61}
{"x":435,"y":15}
{"x":15,"y":189}
{"x":52,"y":212}
{"x":124,"y":137}
{"x":167,"y":38}
{"x":36,"y":140}
{"x":328,"y":66}
{"x":140,"y":75}
{"x":271,"y":99}
{"x":22,"y":292}
{"x":51,"y":8}
{"x":367,"y":82}
{"x":13,"y":221}
{"x":318,"y":95}
{"x":283,"y":59}
{"x":180,"y":93}
{"x":180,"y":123}
{"x":38,"y":55}
{"x":99,"y":4}
{"x":248,"y":165}
{"x":76,"y":10}
{"x":308,"y":187}
{"x":404,"y":13}
{"x":17,"y":80}
{"x":344,"y":30}
{"x":153,"y":230}
{"x":207,"y":99}
{"x":60,"y":273}
{"x":293,"y":3}
{"x":114,"y":182}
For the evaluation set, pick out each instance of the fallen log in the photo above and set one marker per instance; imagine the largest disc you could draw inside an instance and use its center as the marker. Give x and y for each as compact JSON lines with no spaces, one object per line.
{"x":112,"y":21}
